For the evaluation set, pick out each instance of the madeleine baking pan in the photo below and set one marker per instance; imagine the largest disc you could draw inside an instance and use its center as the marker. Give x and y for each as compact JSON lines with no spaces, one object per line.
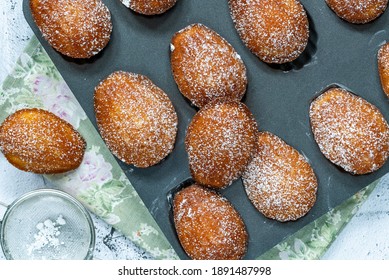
{"x":279,"y":97}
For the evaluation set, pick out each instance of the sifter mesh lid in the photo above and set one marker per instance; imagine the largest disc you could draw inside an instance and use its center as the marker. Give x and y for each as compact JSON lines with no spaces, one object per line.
{"x":47,"y":224}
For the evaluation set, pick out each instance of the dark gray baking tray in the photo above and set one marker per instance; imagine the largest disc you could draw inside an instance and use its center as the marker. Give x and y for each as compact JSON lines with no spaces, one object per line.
{"x":338,"y":52}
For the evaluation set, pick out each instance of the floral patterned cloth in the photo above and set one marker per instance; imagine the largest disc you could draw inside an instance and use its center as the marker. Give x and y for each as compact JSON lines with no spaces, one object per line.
{"x":100,"y":184}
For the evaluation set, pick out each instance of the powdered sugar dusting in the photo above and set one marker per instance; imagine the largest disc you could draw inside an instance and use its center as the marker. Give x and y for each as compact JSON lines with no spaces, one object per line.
{"x":205,"y":66}
{"x":220,"y":141}
{"x":38,"y":141}
{"x":279,"y":181}
{"x":358,"y":11}
{"x":135,"y":118}
{"x":350,"y":132}
{"x":47,"y":237}
{"x":208,"y":226}
{"x":149,"y":7}
{"x":77,"y":28}
{"x":276,"y":31}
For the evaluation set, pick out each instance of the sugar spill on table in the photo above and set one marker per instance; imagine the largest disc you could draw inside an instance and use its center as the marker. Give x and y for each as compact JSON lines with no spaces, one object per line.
{"x":111,"y":244}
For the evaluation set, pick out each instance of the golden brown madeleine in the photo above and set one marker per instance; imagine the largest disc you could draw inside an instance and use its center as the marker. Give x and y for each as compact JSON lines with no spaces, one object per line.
{"x":136,"y":118}
{"x":150,"y":7}
{"x":75,"y":28}
{"x":358,"y":11}
{"x":208,"y":226}
{"x":279,"y":181}
{"x":350,"y":132}
{"x":38,"y":141}
{"x":276,"y":31}
{"x":383,"y":67}
{"x":205,"y":66}
{"x":220,"y":141}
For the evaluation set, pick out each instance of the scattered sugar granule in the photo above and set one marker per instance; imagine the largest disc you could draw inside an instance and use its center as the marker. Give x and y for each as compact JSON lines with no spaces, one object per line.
{"x":47,"y":235}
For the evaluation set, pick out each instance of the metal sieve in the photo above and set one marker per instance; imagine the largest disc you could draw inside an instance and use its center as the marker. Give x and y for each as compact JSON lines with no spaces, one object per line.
{"x":47,"y":224}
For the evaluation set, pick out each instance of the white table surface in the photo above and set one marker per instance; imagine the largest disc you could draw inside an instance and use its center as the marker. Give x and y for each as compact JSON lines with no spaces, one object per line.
{"x":365,"y":237}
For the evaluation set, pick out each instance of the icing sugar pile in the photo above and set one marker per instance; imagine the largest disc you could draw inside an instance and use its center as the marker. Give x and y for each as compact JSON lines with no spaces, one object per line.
{"x":47,"y":236}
